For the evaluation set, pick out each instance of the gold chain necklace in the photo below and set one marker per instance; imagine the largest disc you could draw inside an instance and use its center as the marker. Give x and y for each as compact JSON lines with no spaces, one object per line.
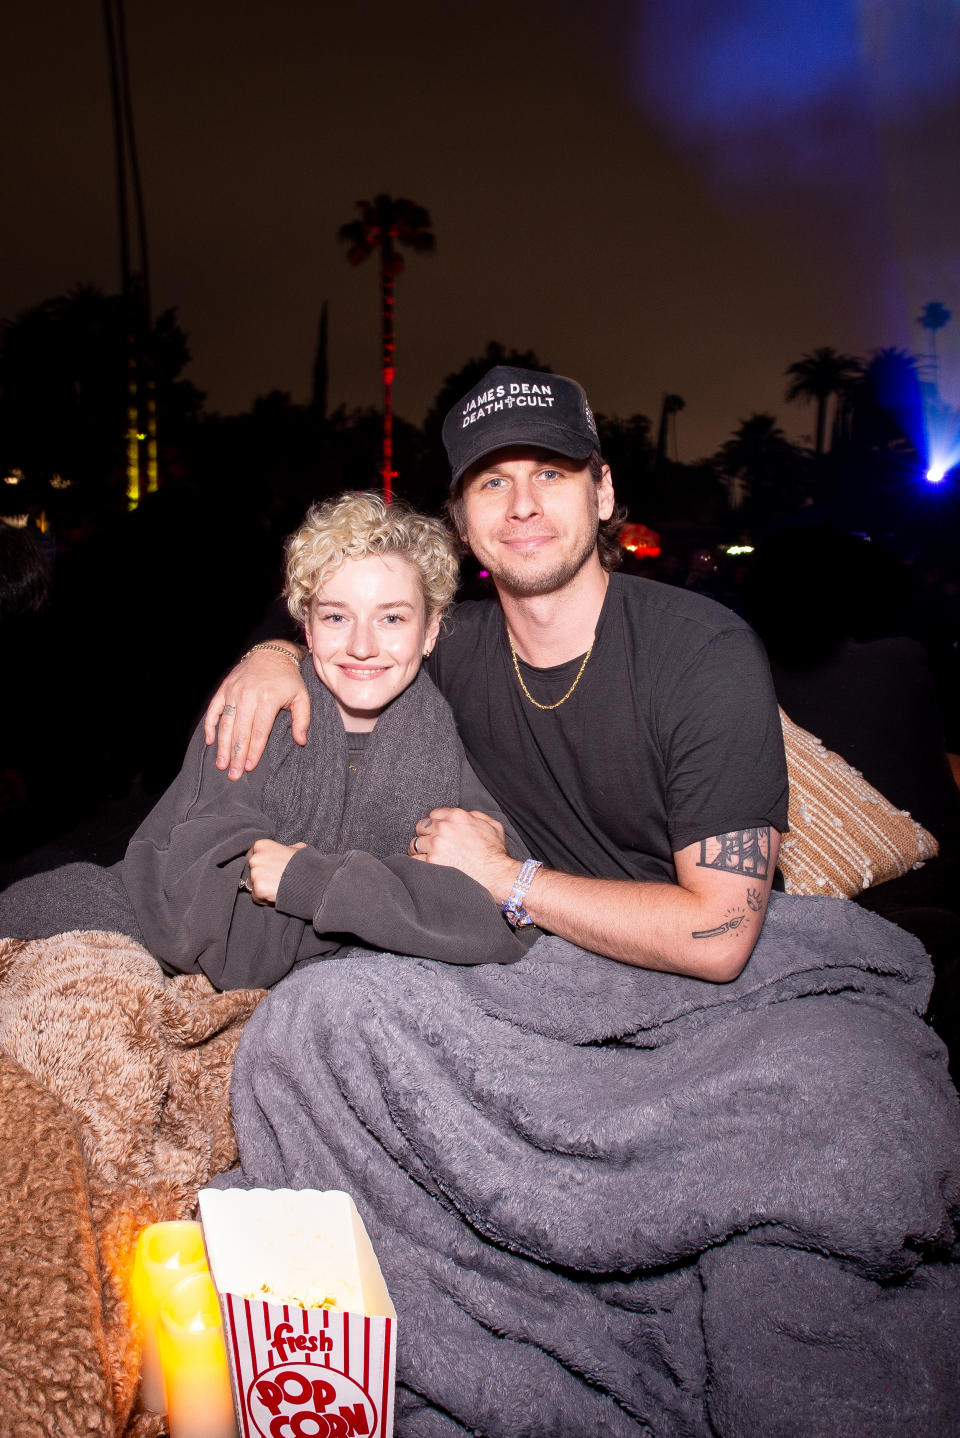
{"x":536,"y":702}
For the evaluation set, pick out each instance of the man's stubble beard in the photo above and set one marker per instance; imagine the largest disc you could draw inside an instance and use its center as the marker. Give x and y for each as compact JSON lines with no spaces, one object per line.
{"x":519,"y":584}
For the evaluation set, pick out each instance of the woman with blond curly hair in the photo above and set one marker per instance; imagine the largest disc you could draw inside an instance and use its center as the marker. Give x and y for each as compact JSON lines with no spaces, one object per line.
{"x":306,"y":855}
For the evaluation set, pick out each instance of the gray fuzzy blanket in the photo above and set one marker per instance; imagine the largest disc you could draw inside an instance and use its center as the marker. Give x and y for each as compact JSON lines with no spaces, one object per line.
{"x":608,"y":1201}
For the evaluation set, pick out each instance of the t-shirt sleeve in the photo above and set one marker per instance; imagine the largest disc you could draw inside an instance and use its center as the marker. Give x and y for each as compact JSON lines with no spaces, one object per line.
{"x":722,"y":741}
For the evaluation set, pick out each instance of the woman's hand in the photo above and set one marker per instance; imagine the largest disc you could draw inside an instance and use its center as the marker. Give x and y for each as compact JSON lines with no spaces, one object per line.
{"x":247,"y":703}
{"x":266,"y":860}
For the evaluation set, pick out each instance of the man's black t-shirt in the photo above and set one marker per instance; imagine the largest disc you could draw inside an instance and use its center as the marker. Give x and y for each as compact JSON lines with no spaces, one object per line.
{"x":671,"y":735}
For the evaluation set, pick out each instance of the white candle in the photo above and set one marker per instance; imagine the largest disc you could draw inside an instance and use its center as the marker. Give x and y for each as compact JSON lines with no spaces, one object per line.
{"x":166,"y":1253}
{"x":196,"y":1378}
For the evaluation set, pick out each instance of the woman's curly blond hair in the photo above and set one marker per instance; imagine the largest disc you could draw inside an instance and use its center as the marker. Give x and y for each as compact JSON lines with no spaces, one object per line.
{"x":357,"y":524}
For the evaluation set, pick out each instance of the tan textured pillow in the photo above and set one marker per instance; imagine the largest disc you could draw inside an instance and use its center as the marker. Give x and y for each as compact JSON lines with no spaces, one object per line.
{"x":844,"y":836}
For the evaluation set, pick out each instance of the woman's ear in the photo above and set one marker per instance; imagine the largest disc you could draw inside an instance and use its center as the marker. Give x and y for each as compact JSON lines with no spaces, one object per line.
{"x":431,"y":633}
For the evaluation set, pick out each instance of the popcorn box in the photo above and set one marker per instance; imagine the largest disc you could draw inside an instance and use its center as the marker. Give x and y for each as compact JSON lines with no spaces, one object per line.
{"x":308,"y":1324}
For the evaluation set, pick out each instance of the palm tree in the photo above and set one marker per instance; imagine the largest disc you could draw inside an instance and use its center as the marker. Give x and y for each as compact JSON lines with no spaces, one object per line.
{"x":670,"y":407}
{"x":817,"y":376}
{"x":756,"y":459}
{"x":888,"y":409}
{"x":321,"y":370}
{"x":933,"y":317}
{"x":136,"y":285}
{"x":384,"y":223}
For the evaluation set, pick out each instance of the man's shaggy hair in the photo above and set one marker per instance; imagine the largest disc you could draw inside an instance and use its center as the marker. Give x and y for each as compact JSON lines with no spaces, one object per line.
{"x":357,"y":524}
{"x":608,"y":550}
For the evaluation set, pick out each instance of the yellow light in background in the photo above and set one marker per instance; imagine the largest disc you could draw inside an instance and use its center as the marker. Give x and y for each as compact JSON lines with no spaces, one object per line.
{"x":196,"y":1377}
{"x":57,"y":481}
{"x":16,"y":521}
{"x":15,"y":476}
{"x":739,"y":549}
{"x":166,"y":1253}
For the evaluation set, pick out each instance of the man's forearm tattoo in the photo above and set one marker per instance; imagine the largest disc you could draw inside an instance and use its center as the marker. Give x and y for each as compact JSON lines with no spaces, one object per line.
{"x":732,"y":923}
{"x":742,"y":851}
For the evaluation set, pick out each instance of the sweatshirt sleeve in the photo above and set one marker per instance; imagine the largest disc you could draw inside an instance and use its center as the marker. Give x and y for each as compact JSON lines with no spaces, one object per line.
{"x":429,"y":911}
{"x":182,"y":872}
{"x":398,"y":904}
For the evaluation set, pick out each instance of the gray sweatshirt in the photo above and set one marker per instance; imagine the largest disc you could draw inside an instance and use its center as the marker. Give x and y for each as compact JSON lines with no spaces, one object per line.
{"x":352,"y":884}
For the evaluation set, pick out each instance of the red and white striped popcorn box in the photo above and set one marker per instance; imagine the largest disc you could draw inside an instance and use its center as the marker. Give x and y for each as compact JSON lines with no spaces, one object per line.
{"x":309,"y":1327}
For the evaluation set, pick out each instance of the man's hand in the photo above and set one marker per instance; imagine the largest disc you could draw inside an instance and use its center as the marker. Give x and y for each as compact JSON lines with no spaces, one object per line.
{"x":469,"y":841}
{"x":266,"y":860}
{"x":247,"y":703}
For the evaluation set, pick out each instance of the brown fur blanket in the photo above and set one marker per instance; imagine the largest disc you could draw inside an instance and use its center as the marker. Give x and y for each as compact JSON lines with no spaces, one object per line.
{"x":114,"y":1111}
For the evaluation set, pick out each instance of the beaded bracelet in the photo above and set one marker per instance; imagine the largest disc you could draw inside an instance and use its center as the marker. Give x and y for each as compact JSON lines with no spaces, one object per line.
{"x":280,"y":648}
{"x":512,"y":906}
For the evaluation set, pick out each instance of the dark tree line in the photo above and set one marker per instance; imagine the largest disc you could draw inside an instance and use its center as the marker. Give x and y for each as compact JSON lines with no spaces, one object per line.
{"x":62,"y":424}
{"x":146,"y":608}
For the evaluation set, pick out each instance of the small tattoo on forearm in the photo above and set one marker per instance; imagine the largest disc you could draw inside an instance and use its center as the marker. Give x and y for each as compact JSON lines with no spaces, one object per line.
{"x":733,"y":923}
{"x":755,"y":900}
{"x":742,"y":851}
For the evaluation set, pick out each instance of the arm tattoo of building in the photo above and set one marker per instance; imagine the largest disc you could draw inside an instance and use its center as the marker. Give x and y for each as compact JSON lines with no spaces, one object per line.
{"x":742,"y":851}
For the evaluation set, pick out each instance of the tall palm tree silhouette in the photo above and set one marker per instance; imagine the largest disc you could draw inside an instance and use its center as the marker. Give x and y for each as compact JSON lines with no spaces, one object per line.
{"x":816,"y":377}
{"x":933,"y":317}
{"x":670,"y":407}
{"x":135,"y":283}
{"x":383,"y":224}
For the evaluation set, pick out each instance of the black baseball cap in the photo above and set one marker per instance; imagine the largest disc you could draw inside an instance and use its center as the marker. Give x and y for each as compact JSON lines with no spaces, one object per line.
{"x":519,"y":406}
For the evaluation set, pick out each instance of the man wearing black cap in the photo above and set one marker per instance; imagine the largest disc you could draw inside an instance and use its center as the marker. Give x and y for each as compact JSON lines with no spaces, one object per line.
{"x":629,"y":729}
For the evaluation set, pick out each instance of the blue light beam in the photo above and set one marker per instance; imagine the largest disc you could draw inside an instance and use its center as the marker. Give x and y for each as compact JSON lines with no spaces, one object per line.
{"x":942,"y":434}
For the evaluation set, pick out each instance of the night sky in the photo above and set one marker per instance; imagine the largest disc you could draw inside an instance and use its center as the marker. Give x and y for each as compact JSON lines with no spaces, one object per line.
{"x":663,"y":195}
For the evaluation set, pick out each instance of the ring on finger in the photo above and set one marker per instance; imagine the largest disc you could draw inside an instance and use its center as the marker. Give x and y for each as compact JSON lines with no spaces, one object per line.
{"x":416,"y":843}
